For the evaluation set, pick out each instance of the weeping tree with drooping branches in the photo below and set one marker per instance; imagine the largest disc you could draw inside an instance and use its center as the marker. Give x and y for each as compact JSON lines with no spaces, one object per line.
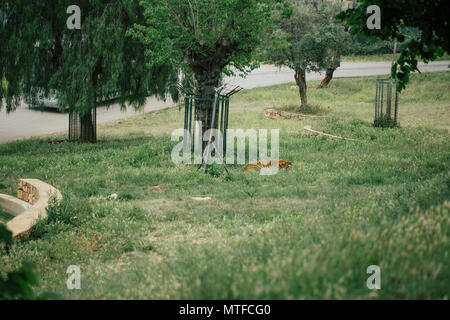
{"x":41,"y":57}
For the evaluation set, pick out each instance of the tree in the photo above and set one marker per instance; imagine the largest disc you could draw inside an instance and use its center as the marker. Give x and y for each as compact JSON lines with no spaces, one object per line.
{"x":41,"y":56}
{"x":430,"y":17}
{"x":339,"y":41}
{"x":309,"y":43}
{"x":205,"y":39}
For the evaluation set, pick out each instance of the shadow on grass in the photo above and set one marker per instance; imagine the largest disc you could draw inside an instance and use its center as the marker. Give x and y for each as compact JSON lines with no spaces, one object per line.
{"x":312,"y":109}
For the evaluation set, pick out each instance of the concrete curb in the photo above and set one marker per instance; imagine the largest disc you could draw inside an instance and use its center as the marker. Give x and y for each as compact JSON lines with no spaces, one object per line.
{"x":37,"y":193}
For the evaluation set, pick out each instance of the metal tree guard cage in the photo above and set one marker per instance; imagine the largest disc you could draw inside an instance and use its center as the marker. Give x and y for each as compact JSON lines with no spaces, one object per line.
{"x":192,"y":103}
{"x":75,"y":124}
{"x":386,"y":103}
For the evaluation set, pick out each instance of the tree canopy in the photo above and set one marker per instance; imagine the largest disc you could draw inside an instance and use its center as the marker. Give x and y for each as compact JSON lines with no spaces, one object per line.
{"x":430,"y":17}
{"x":41,"y":56}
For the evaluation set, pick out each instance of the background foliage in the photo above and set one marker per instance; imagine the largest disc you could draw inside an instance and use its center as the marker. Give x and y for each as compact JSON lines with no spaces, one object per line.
{"x":429,"y":17}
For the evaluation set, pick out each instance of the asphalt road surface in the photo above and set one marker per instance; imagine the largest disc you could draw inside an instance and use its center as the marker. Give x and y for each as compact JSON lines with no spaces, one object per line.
{"x":25,"y":123}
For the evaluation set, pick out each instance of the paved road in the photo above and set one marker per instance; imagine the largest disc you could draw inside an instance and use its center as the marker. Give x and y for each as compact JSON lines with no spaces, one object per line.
{"x":268,"y":75}
{"x":25,"y":123}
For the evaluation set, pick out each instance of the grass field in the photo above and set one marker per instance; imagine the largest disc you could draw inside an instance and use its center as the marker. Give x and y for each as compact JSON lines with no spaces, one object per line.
{"x":306,"y":233}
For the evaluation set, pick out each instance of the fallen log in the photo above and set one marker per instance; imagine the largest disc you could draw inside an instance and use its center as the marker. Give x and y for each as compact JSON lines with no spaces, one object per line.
{"x":309,"y":131}
{"x":258,"y":165}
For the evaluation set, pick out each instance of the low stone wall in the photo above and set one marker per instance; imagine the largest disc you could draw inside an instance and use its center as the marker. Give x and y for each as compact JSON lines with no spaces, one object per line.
{"x":37,"y":193}
{"x":28,"y":192}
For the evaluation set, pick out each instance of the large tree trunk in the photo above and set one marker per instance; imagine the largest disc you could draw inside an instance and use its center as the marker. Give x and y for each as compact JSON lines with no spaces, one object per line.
{"x":205,"y":89}
{"x":328,"y":77}
{"x":88,"y":122}
{"x":208,"y":65}
{"x":336,"y":63}
{"x":300,"y":79}
{"x":87,"y":126}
